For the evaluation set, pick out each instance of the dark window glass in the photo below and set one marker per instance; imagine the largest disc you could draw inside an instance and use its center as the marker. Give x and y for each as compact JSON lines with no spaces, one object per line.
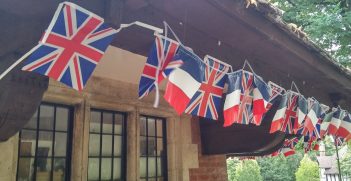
{"x":153,"y":154}
{"x":45,"y":145}
{"x":106,"y":146}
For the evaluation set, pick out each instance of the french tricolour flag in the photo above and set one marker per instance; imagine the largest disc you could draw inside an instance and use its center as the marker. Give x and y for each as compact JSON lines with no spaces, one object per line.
{"x":336,"y":121}
{"x":184,"y":81}
{"x":345,"y":127}
{"x":325,"y":123}
{"x":232,"y":100}
{"x":301,"y":112}
{"x":312,"y":118}
{"x":261,"y":96}
{"x":279,"y":116}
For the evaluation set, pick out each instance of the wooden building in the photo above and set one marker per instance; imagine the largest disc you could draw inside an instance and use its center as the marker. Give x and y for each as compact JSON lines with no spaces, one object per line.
{"x":51,"y":132}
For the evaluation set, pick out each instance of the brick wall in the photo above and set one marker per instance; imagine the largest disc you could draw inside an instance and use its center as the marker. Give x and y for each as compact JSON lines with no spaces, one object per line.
{"x":211,"y":168}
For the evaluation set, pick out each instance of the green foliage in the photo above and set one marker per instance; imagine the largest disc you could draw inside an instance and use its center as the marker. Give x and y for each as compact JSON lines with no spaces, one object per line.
{"x":248,"y":170}
{"x":308,"y":170}
{"x":232,"y":163}
{"x":245,"y":170}
{"x":327,"y":22}
{"x":345,"y":162}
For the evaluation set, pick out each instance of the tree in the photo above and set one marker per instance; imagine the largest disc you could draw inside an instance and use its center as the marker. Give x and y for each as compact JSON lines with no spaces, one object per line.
{"x":248,"y":170}
{"x":308,"y":170}
{"x":232,"y":163}
{"x":327,"y":22}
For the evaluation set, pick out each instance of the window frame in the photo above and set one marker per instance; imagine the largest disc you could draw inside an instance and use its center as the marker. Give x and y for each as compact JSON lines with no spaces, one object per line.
{"x":123,"y":134}
{"x":69,"y":141}
{"x":164,"y":158}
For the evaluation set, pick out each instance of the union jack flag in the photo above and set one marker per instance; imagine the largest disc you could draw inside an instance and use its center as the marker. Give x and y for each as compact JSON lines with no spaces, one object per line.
{"x":207,"y":100}
{"x":159,"y":64}
{"x":246,"y":97}
{"x":276,"y":91}
{"x":73,"y":47}
{"x":290,"y":114}
{"x":288,"y":147}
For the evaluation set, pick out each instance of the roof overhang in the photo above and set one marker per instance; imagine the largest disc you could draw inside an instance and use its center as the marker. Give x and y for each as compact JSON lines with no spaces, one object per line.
{"x":256,"y":35}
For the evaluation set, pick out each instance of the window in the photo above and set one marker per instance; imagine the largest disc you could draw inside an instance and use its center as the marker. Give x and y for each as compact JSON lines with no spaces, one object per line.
{"x":45,"y":145}
{"x":153,"y":153}
{"x":106,"y":146}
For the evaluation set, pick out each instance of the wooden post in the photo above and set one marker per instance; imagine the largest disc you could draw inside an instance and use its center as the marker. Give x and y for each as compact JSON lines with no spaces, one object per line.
{"x":337,"y":157}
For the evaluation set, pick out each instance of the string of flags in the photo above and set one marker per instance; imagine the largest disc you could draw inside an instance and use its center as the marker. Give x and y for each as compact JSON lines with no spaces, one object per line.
{"x":76,"y":40}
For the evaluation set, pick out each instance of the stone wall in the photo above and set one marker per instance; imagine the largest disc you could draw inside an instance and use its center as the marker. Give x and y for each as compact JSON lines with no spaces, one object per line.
{"x":210,"y":168}
{"x":109,"y":94}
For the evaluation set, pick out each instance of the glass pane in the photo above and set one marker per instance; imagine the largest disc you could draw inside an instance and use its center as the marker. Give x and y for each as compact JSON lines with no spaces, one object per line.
{"x":142,"y":166}
{"x":46,"y":117}
{"x":25,"y":169}
{"x":43,"y":169}
{"x":93,"y":169}
{"x":32,"y":123}
{"x":159,"y":166}
{"x":106,"y":145}
{"x":45,"y":143}
{"x":151,"y":179}
{"x":151,"y":146}
{"x":118,"y":146}
{"x":61,"y":118}
{"x":152,"y":166}
{"x":60,"y":144}
{"x":107,"y":122}
{"x":117,"y":168}
{"x":95,"y":121}
{"x":151,"y":127}
{"x":159,"y":146}
{"x":118,"y":123}
{"x":143,"y":145}
{"x":94,"y":144}
{"x":59,"y":169}
{"x":159,"y":128}
{"x":160,"y":179}
{"x":28,"y":142}
{"x":142,"y":126}
{"x":106,"y":164}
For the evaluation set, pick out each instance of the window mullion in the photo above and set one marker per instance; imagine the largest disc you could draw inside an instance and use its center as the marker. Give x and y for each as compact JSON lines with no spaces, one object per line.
{"x":101,"y":118}
{"x":53,"y":146}
{"x":36,"y":145}
{"x":113,"y":144}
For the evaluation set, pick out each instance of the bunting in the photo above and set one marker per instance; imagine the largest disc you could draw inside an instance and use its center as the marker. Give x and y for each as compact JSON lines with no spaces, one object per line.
{"x":207,"y":100}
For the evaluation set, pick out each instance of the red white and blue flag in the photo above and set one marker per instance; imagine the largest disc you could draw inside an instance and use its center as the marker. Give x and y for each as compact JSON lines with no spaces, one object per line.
{"x":159,"y":64}
{"x":325,"y":124}
{"x":238,"y":102}
{"x":185,"y":81}
{"x":207,"y":100}
{"x":290,"y":117}
{"x":302,"y":111}
{"x":73,"y":47}
{"x":335,"y":122}
{"x":279,"y":116}
{"x":276,"y":91}
{"x":312,"y":119}
{"x":261,"y":98}
{"x":345,"y":127}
